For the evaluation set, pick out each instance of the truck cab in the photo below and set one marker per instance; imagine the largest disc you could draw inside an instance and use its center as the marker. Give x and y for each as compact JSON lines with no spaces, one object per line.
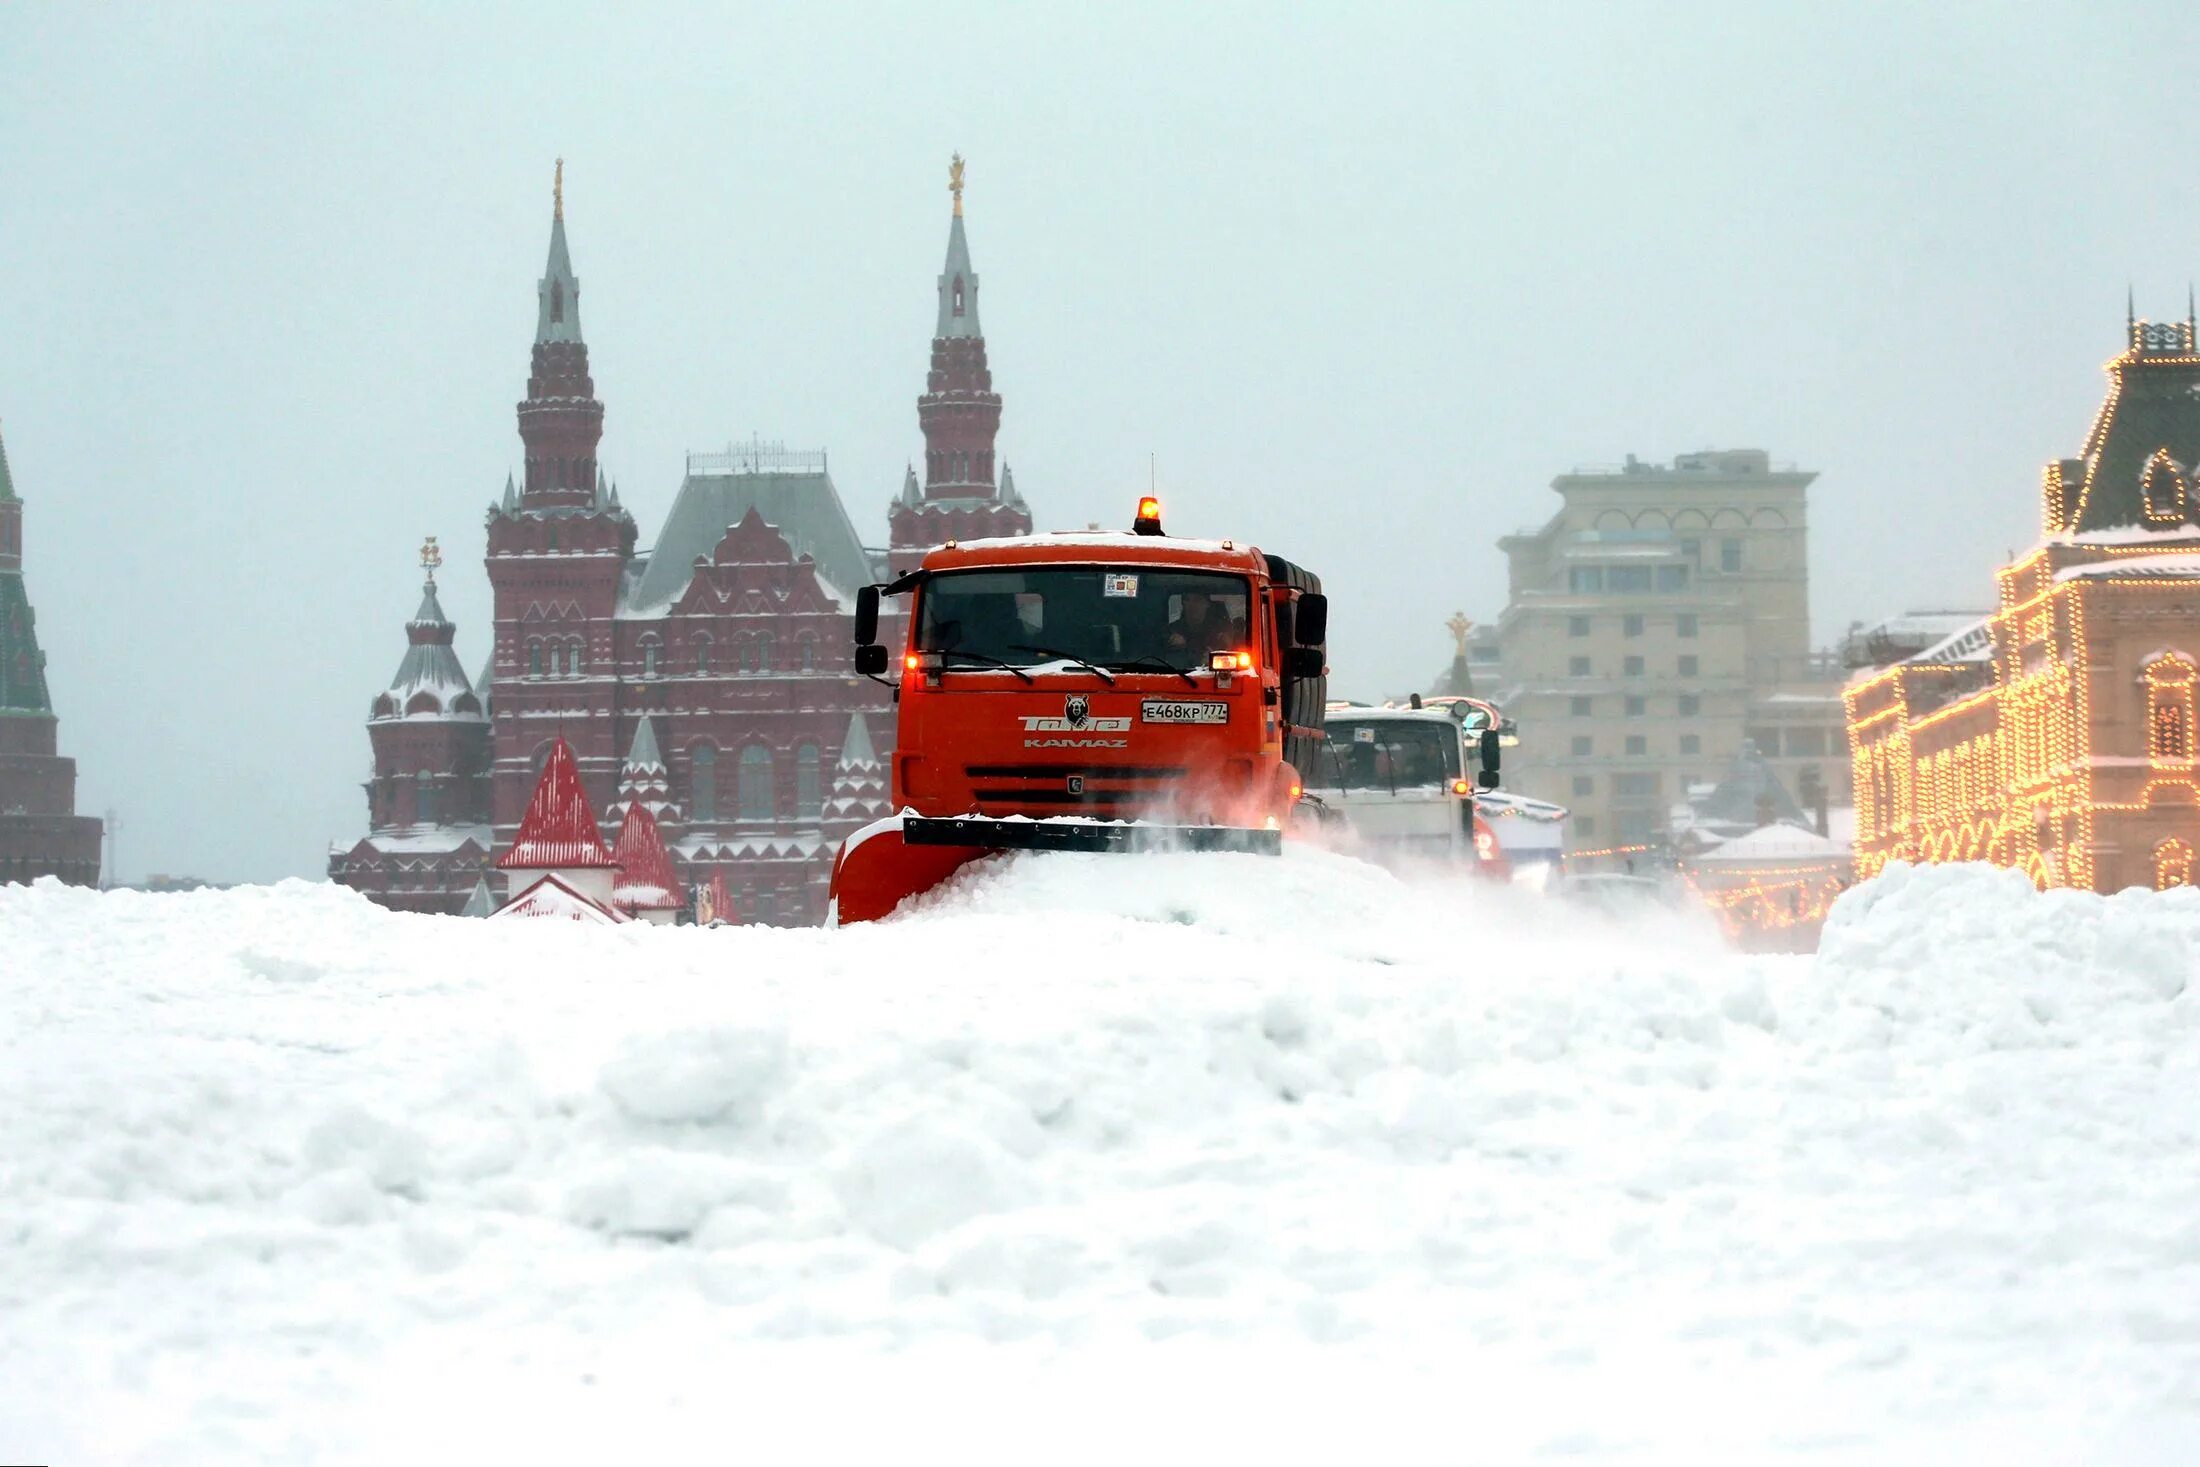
{"x":1088,"y":691}
{"x":1404,"y":781}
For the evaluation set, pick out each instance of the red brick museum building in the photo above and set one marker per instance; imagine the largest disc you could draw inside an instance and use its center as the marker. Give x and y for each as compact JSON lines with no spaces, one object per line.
{"x":710,"y":674}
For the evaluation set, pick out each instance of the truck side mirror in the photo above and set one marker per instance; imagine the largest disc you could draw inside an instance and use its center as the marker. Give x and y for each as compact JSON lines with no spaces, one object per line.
{"x":870,"y":659}
{"x":866,"y":618}
{"x":1311,"y":628}
{"x":1488,"y":780}
{"x":1302,"y":662}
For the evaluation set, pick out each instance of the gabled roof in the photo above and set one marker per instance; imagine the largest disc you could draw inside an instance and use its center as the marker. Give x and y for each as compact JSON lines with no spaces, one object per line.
{"x":558,"y":832}
{"x":646,"y":878}
{"x":550,"y":897}
{"x":803,"y":506}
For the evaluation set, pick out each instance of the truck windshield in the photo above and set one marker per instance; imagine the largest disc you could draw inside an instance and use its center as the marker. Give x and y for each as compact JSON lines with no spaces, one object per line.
{"x":1386,"y":754}
{"x":1109,"y":617}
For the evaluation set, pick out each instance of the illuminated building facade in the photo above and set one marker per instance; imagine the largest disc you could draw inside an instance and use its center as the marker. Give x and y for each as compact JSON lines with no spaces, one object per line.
{"x":2057,"y":736}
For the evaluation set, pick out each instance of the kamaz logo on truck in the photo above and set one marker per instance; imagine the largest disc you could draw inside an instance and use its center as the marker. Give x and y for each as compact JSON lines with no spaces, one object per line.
{"x":1076,"y":718}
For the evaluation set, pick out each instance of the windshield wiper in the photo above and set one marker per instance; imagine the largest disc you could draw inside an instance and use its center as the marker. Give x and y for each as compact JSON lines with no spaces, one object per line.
{"x":1093,"y":668}
{"x":1156,"y":663}
{"x":989,"y":660}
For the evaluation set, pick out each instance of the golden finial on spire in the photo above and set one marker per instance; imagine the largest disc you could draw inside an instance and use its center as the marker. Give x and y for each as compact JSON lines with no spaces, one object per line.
{"x":1459,"y":626}
{"x":557,"y":193}
{"x":955,"y":180}
{"x":431,"y":556}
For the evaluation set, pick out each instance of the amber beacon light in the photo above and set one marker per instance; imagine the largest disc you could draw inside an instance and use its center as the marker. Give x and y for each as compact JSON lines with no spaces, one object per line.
{"x":1149,"y":516}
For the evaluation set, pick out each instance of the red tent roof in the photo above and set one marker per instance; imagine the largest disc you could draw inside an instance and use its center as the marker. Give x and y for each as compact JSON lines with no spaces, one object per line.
{"x":646,"y":878}
{"x":559,"y":829}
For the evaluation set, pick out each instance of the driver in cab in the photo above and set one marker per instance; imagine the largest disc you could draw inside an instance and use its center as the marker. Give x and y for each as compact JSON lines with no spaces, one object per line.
{"x":1202,"y":627}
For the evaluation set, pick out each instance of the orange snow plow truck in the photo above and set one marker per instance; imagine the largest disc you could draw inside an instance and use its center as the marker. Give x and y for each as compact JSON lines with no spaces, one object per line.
{"x":1088,"y":692}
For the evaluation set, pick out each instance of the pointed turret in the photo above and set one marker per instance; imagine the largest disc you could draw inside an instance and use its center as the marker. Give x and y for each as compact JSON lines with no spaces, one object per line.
{"x":22,"y":665}
{"x":481,"y":903}
{"x":558,"y":316}
{"x":960,"y":414}
{"x":429,"y":682}
{"x":958,"y":282}
{"x":561,"y":421}
{"x":648,"y":887}
{"x":511,"y":495}
{"x":645,"y":780}
{"x":40,"y":832}
{"x":558,"y":834}
{"x":859,"y":793}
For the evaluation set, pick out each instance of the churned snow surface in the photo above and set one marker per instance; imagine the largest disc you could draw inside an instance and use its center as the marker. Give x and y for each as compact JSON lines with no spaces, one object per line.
{"x":1181,"y":1157}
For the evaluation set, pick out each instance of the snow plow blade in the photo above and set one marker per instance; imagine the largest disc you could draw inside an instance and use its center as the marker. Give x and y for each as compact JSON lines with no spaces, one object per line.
{"x":891,"y":860}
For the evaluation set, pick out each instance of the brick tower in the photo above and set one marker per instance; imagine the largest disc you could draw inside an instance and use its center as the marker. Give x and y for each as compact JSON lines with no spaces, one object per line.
{"x":960,"y":413}
{"x":557,"y":550}
{"x":427,"y":842}
{"x":40,"y":832}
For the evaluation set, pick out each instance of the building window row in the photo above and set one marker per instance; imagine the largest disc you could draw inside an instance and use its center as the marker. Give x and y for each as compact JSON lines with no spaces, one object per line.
{"x":1623,"y":580}
{"x":1634,"y":624}
{"x":556,"y":657}
{"x":1634,"y":666}
{"x":756,"y":783}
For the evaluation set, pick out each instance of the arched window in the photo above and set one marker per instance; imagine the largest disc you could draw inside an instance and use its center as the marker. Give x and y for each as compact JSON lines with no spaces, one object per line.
{"x":534,"y":659}
{"x":958,"y":295}
{"x":424,"y":798}
{"x":649,"y":657}
{"x":575,"y":656}
{"x":766,"y":653}
{"x":2172,"y":864}
{"x":703,"y":782}
{"x":809,"y":786}
{"x":2169,"y":685}
{"x":805,"y":651}
{"x":744,"y":648}
{"x":557,"y":300}
{"x":702,"y":645}
{"x":758,"y":799}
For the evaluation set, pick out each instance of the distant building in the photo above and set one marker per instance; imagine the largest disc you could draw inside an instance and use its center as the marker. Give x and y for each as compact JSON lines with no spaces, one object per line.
{"x":40,"y":832}
{"x":1657,"y":622}
{"x":721,"y":654}
{"x":428,"y":837}
{"x":2057,"y":734}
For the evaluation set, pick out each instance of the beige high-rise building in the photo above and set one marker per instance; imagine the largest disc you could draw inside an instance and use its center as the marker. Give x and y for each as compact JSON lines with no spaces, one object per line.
{"x":1658,"y":622}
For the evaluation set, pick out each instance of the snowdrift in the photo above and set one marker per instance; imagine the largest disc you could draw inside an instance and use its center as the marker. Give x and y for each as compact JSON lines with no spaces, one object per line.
{"x":1215,"y":1156}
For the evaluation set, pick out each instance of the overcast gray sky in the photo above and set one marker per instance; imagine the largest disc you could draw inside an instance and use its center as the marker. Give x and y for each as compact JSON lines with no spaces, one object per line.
{"x":1362,"y":279}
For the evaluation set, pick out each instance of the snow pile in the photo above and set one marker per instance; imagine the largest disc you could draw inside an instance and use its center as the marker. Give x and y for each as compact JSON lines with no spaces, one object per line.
{"x":1211,"y":1154}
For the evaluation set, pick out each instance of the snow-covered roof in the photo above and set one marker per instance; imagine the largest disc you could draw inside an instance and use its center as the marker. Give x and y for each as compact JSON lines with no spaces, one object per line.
{"x":430,"y":667}
{"x":558,"y":832}
{"x":550,"y":897}
{"x":417,"y":840}
{"x":1973,"y":643}
{"x":2147,"y":567}
{"x":1773,"y":843}
{"x":802,"y":505}
{"x":646,"y":878}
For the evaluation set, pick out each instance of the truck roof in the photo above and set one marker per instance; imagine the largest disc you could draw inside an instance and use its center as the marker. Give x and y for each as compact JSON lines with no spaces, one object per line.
{"x":1361,"y":712}
{"x":1101,"y":547}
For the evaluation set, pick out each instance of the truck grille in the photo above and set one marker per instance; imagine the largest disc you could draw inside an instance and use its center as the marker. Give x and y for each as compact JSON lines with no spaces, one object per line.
{"x":1109,"y":789}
